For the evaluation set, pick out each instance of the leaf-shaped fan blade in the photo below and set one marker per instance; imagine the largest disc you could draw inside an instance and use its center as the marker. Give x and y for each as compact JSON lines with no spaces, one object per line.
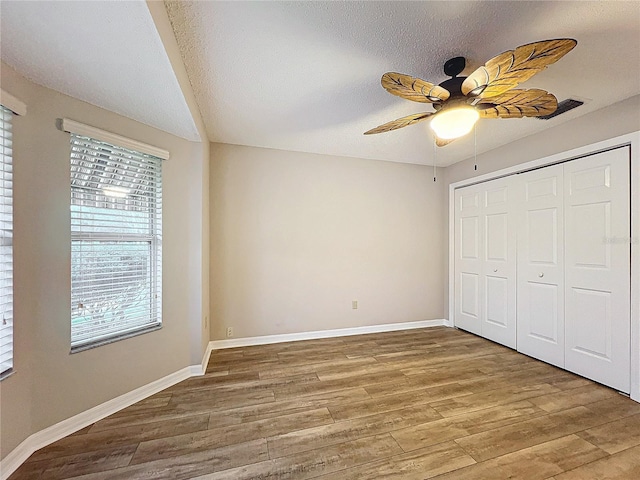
{"x":518,"y":103}
{"x":413,"y":89}
{"x":511,"y":68}
{"x":441,"y":142}
{"x":400,"y":122}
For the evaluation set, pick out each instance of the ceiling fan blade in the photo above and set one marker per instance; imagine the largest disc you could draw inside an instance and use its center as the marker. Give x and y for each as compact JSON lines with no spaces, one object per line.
{"x":513,"y":67}
{"x":399,"y":123}
{"x":441,"y":142}
{"x":413,"y":89}
{"x":518,"y":103}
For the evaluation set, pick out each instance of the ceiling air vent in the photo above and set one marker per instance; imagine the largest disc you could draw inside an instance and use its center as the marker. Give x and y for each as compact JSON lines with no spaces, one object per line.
{"x":563,"y":106}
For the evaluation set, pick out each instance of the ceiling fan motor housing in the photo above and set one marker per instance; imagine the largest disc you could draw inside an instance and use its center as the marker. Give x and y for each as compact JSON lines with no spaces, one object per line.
{"x":454,"y":86}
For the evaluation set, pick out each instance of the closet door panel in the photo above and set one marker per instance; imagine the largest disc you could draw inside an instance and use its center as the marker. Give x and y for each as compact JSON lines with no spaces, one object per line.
{"x":597,"y":212}
{"x":499,"y":263}
{"x":468,"y":262}
{"x":540,"y":278}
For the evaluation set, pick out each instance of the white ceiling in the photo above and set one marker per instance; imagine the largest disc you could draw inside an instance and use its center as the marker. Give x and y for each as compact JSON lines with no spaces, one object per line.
{"x":108,"y":54}
{"x":305,"y":76}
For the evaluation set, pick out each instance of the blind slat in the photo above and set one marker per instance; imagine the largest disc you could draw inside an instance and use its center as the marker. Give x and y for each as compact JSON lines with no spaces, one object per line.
{"x":116,"y":252}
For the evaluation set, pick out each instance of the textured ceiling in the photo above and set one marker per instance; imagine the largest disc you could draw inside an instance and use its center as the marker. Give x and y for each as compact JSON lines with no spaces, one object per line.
{"x":305,"y":76}
{"x":106,"y":53}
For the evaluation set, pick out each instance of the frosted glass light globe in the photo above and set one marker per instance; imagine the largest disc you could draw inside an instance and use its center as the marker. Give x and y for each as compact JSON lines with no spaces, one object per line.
{"x":454,"y":122}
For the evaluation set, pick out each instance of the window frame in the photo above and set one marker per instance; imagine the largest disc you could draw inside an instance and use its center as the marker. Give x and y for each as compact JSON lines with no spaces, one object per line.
{"x":14,"y":108}
{"x":96,"y":137}
{"x":7,"y":161}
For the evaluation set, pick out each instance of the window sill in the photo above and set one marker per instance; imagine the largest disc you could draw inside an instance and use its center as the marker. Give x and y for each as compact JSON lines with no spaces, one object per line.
{"x":106,"y":341}
{"x":7,"y":374}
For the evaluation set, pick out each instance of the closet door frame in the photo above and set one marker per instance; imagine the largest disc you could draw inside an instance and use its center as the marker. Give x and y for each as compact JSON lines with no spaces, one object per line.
{"x":632,"y":140}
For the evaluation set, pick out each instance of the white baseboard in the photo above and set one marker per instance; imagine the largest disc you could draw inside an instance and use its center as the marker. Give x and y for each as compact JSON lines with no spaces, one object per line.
{"x":205,"y":358}
{"x":340,"y":332}
{"x":41,"y":439}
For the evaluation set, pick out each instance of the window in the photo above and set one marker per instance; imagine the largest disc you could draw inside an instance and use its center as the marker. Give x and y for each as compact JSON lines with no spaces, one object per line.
{"x":6,"y":242}
{"x":116,"y":241}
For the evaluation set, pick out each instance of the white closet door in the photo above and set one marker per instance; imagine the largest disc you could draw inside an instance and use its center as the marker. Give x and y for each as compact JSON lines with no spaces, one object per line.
{"x":540,"y":284}
{"x":498,"y":276}
{"x":485,"y":261}
{"x":468,"y":264}
{"x":597,"y":298}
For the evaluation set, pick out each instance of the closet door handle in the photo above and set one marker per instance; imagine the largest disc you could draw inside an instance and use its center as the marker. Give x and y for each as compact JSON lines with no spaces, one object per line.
{"x":541,"y":274}
{"x":495,"y":270}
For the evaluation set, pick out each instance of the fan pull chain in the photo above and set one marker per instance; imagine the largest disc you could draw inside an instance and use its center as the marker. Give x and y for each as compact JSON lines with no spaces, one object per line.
{"x":475,"y":147}
{"x":434,"y":158}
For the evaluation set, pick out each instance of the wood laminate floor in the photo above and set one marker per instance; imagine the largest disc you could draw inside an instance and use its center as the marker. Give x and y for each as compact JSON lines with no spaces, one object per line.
{"x":416,"y":404}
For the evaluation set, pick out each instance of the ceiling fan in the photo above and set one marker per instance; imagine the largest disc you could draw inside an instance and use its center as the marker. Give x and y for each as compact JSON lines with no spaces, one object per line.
{"x":487,"y":93}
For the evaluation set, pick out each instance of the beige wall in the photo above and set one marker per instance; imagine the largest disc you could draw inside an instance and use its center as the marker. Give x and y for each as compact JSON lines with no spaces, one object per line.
{"x":615,"y":120}
{"x":49,"y":384}
{"x":296,"y":237}
{"x":202,"y":333}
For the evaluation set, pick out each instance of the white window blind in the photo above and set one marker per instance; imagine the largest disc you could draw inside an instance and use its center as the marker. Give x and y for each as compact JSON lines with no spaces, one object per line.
{"x":116,"y":242}
{"x":6,"y":242}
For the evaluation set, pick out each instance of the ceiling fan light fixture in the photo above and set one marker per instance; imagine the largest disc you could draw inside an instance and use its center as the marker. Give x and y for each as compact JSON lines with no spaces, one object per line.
{"x":454,"y":122}
{"x":489,"y":92}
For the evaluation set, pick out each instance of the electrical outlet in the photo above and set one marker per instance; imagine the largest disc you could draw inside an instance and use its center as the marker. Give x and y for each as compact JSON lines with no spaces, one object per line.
{"x":354,"y":304}
{"x":229,"y":332}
